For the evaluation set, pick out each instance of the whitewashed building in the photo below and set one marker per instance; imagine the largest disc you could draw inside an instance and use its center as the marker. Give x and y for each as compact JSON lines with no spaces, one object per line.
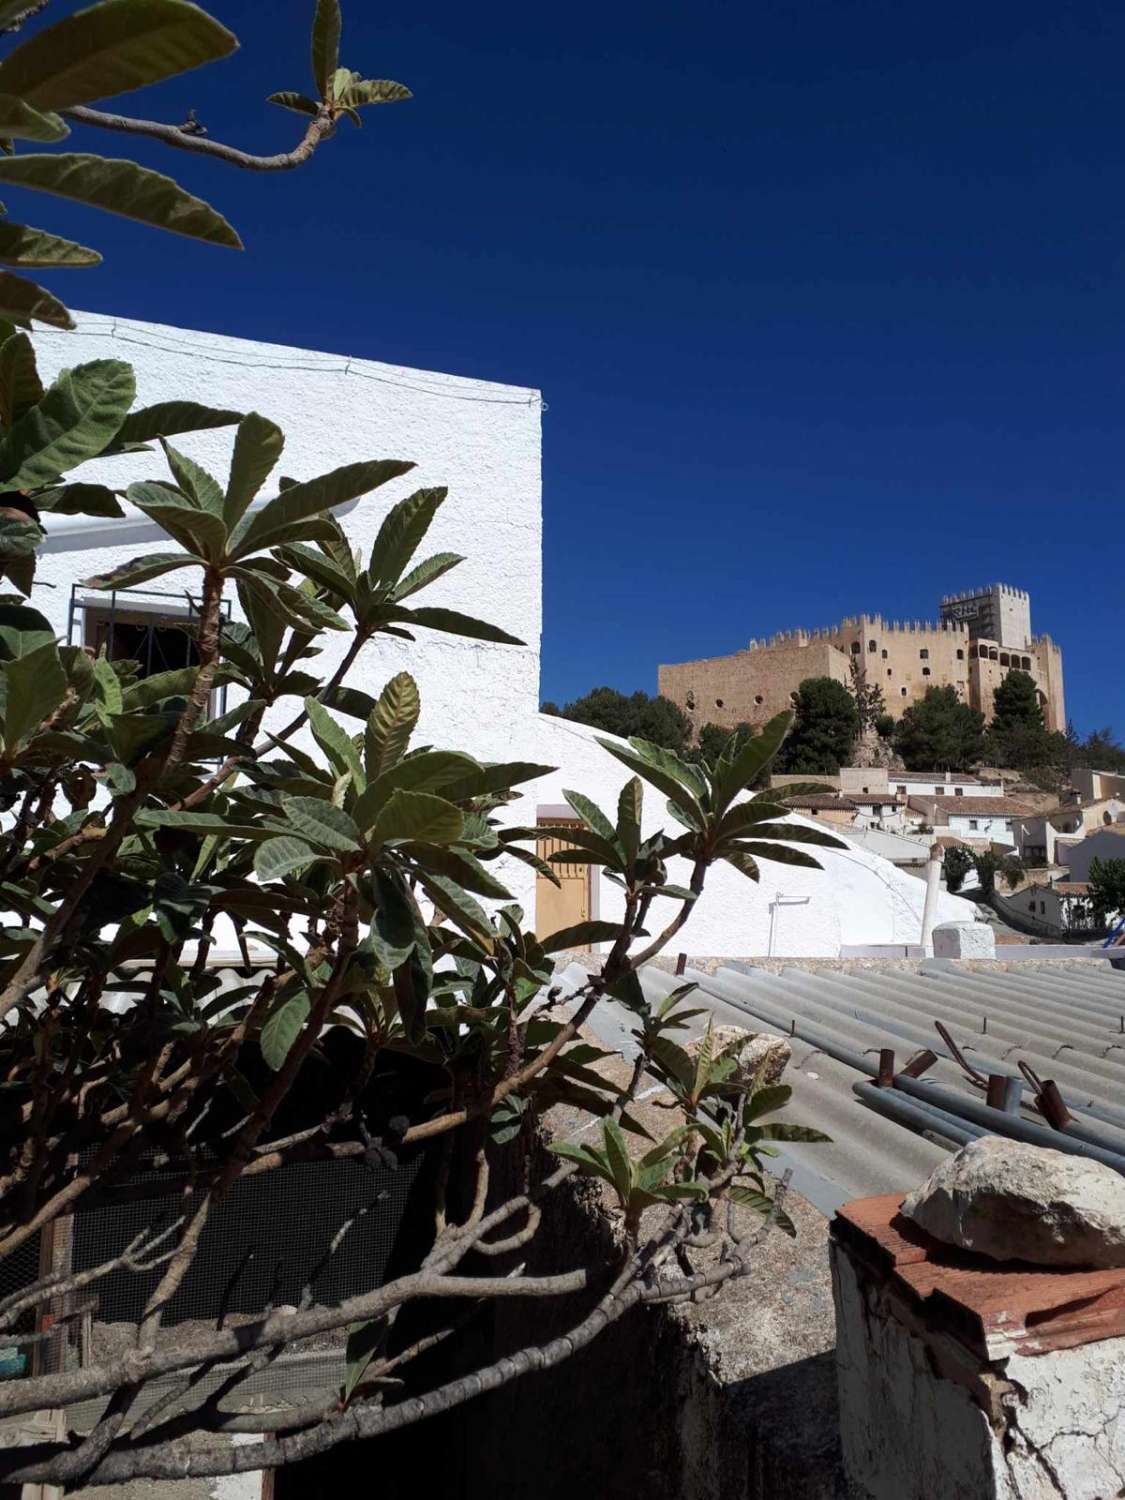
{"x":483,"y":441}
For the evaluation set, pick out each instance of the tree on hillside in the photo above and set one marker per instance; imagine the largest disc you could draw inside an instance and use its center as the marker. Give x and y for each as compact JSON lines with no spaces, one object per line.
{"x":941,"y":733}
{"x":655,"y":719}
{"x":825,"y":728}
{"x":990,"y":866}
{"x":956,"y":864}
{"x":1101,"y":751}
{"x":869,"y":701}
{"x":1017,"y":735}
{"x":392,"y":1011}
{"x":1107,"y":887}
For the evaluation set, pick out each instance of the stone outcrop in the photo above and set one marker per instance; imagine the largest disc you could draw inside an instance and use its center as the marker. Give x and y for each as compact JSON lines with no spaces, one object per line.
{"x":753,"y":1047}
{"x":1011,"y":1201}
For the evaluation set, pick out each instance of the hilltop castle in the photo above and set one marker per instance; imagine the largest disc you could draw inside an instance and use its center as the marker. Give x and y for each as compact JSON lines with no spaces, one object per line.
{"x":980,"y":637}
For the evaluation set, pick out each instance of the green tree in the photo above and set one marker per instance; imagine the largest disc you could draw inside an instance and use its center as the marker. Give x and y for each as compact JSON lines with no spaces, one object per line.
{"x":885,"y":727}
{"x":1017,"y":735}
{"x":714,"y":739}
{"x":941,"y":733}
{"x":656,"y":719}
{"x":990,"y":866}
{"x":1107,"y":887}
{"x":825,"y":728}
{"x":368,"y":867}
{"x":956,"y":864}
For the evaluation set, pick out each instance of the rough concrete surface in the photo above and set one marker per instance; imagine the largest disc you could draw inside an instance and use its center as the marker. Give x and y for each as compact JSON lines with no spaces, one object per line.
{"x":1012,"y":1201}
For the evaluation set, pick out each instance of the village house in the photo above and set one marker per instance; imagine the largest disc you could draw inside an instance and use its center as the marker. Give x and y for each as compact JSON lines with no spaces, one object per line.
{"x":979,"y":821}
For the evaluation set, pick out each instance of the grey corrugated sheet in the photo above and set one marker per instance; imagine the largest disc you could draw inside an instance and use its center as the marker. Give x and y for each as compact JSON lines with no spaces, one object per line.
{"x":1065,"y":1020}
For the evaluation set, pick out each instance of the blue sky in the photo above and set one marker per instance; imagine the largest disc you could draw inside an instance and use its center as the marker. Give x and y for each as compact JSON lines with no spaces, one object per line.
{"x":827,"y":299}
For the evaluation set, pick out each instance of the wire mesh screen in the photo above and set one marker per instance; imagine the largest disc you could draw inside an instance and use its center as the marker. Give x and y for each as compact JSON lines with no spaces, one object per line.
{"x":265,"y":1245}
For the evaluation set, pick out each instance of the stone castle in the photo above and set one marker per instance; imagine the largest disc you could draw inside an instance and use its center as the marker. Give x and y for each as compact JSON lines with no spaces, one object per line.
{"x":980,"y":637}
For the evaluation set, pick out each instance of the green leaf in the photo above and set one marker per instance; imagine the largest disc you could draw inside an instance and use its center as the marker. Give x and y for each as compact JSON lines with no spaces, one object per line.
{"x":327,"y":24}
{"x":629,"y":806}
{"x":270,"y":526}
{"x":391,"y":724}
{"x":460,"y":866}
{"x":425,"y":573}
{"x":744,"y":863}
{"x":658,"y":776}
{"x":617,"y":1157}
{"x":579,"y":935}
{"x":206,"y":825}
{"x":23,"y":302}
{"x":300,"y":104}
{"x":33,"y":685}
{"x":79,"y":499}
{"x":282,"y":856}
{"x":751,"y":1198}
{"x":361,"y":91}
{"x":749,"y":759}
{"x":20,"y":245}
{"x":797,"y":833}
{"x":121,"y":187}
{"x":111,"y":48}
{"x":364,"y":1341}
{"x":765,"y":1100}
{"x":200,"y":532}
{"x":23,"y":629}
{"x":401,"y":534}
{"x":107,"y":686}
{"x":76,"y":418}
{"x":20,"y":386}
{"x":334,"y":741}
{"x":167,"y":418}
{"x":176,"y":683}
{"x":458,"y":906}
{"x":593,"y":817}
{"x":320,"y":823}
{"x":199,"y":486}
{"x":417,"y":817}
{"x":140,"y":570}
{"x":19,"y":122}
{"x":257,"y":448}
{"x":454,"y":623}
{"x":283,"y":1028}
{"x":782,"y":1130}
{"x":781,"y":854}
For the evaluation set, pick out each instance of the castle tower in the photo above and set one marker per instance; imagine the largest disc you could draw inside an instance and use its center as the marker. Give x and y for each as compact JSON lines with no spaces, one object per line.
{"x":998,"y":612}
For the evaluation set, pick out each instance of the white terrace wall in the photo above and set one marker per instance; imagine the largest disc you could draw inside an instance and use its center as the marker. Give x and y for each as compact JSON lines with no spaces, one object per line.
{"x":480,"y":439}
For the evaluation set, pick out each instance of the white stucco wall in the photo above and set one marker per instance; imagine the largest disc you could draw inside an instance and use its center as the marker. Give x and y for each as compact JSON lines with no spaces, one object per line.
{"x":1102,"y":845}
{"x":998,"y":830}
{"x":483,"y":441}
{"x":480,"y":439}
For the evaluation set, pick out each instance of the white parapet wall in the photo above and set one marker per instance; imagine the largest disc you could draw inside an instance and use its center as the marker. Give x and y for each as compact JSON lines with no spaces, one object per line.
{"x":958,"y":1383}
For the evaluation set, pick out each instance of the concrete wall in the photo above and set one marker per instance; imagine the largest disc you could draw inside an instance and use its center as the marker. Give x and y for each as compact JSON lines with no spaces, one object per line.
{"x":1092,"y":786}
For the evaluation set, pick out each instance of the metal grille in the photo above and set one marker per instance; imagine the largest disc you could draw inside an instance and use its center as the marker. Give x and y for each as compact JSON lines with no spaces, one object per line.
{"x":157,"y":629}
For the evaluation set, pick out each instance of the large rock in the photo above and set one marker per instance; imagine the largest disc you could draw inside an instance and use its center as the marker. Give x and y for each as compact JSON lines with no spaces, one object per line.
{"x":752,"y":1048}
{"x":1011,"y":1201}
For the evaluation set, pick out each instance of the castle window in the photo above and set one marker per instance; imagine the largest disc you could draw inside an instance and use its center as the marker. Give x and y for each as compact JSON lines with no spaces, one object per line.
{"x":884,"y":653}
{"x":925,"y":671}
{"x":690,"y":698}
{"x":718,"y":703}
{"x":890,"y":672}
{"x":759,"y":699}
{"x":960,"y":654}
{"x":1005,"y":659}
{"x":1026,"y":663}
{"x":856,"y":648}
{"x":871,"y":646}
{"x":903,"y":692}
{"x":924,"y":654}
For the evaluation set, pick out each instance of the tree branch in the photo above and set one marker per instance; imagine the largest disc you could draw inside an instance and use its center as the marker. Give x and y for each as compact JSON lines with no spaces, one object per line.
{"x":319,"y":129}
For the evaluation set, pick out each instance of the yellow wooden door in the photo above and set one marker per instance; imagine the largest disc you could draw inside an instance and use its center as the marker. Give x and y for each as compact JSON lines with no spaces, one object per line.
{"x":565,"y":904}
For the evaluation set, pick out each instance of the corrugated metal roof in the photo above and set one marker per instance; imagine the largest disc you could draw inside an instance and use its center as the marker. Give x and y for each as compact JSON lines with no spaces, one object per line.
{"x":1066,"y":1020}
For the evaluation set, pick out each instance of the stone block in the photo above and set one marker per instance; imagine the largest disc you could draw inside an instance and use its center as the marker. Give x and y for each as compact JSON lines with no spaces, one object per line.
{"x":964,"y":940}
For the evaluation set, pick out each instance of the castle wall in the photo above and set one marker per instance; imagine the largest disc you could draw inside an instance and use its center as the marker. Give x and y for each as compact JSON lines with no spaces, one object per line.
{"x":906,"y":658}
{"x":750,"y":686}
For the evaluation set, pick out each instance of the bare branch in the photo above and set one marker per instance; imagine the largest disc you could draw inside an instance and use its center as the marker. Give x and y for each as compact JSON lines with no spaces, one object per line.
{"x":321,"y":128}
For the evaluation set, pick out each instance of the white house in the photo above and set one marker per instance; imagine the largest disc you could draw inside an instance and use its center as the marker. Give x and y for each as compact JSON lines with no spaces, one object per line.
{"x":1105,"y":844}
{"x":976,"y":820}
{"x":483,"y":441}
{"x":1041,"y":838}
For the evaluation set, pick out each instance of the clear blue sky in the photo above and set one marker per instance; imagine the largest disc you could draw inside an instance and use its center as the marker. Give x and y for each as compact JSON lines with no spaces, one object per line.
{"x":827,"y":298}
